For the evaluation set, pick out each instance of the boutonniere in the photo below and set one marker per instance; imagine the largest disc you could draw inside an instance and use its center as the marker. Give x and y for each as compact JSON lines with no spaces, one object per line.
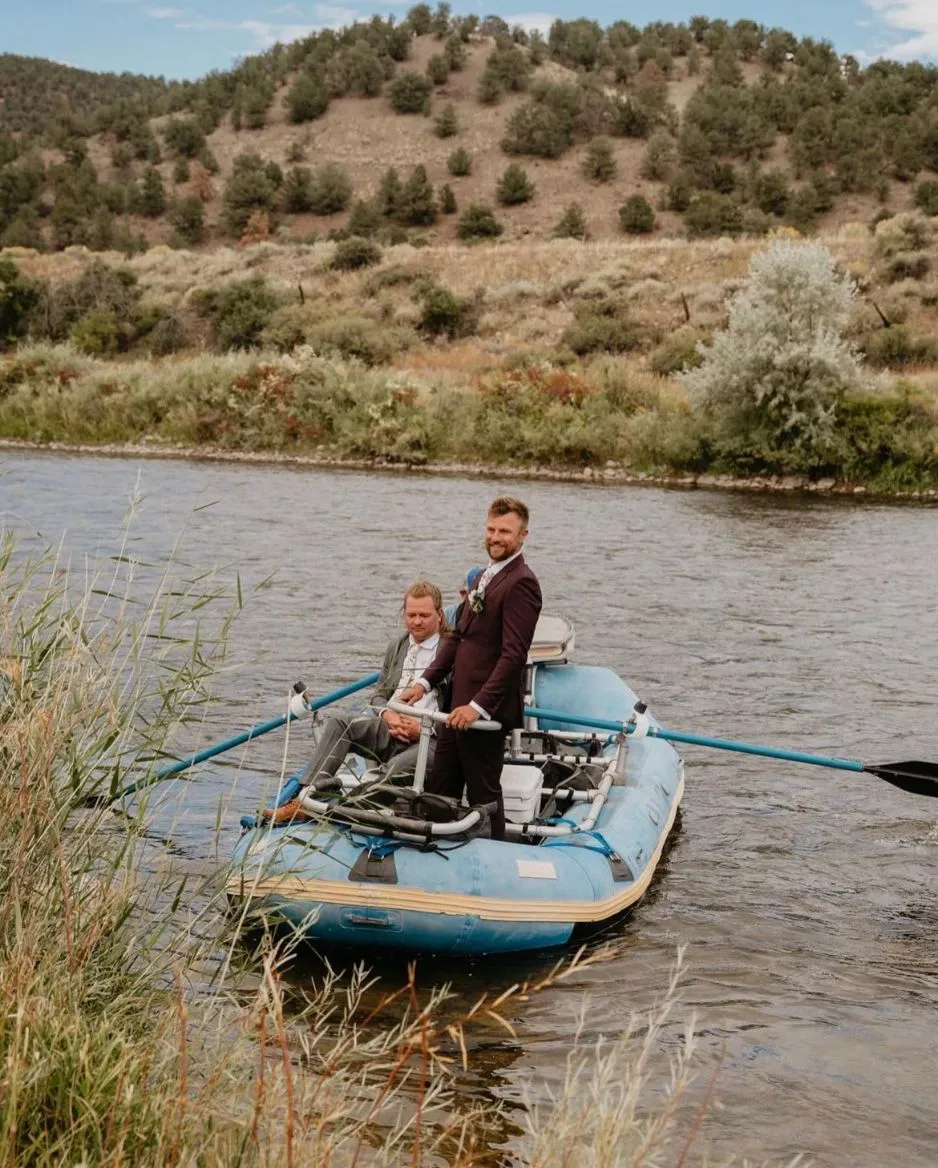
{"x":476,"y":600}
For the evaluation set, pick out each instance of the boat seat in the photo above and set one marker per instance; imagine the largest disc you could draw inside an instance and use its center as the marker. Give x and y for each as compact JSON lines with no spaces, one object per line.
{"x":553,"y":640}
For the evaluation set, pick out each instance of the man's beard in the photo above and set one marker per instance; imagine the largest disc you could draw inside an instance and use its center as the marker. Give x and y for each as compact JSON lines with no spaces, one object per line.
{"x":503,"y":552}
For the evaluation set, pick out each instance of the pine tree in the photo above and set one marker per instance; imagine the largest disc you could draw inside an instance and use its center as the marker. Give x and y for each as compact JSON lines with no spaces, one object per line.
{"x":571,"y":224}
{"x":417,"y":206}
{"x":446,"y":125}
{"x":389,"y":193}
{"x":448,"y":200}
{"x":514,"y":186}
{"x":599,"y":163}
{"x":152,"y":199}
{"x":459,"y":163}
{"x":297,"y":192}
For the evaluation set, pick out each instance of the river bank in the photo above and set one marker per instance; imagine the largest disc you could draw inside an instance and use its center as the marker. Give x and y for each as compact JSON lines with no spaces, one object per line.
{"x":610,"y":474}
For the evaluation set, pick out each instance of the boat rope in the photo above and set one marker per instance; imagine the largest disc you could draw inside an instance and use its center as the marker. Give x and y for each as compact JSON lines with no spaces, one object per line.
{"x":602,"y":845}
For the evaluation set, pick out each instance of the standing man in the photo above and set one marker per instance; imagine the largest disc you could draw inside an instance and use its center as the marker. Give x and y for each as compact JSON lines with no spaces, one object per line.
{"x":486,"y":655}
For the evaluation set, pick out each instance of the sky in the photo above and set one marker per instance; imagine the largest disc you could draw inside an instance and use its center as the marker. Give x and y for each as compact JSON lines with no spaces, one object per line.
{"x":181,"y":40}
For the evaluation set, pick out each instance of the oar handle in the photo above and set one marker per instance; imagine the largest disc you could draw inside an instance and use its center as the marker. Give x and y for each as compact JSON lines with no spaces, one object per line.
{"x":843,"y":764}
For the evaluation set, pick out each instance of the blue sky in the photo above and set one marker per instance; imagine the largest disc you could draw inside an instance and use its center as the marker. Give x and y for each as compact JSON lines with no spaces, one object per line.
{"x":177,"y":38}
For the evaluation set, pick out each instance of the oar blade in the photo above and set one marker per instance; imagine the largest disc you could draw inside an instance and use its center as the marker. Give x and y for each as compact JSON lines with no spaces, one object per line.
{"x":918,"y":778}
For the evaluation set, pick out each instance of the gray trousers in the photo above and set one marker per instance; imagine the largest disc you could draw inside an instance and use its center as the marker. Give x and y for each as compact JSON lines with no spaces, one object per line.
{"x":369,"y":737}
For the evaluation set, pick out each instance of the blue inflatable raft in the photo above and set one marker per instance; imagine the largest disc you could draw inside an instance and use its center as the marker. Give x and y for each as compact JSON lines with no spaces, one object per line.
{"x":382,"y":867}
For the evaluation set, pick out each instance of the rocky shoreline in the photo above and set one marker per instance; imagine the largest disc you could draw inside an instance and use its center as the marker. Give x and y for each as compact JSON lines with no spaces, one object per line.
{"x":612,"y":473}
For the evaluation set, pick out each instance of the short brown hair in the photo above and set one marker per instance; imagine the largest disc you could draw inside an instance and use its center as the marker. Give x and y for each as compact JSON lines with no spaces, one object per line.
{"x":506,"y":504}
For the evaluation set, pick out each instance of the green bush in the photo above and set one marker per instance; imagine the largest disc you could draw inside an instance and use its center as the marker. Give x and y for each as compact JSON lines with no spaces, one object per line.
{"x":416,"y":206}
{"x":409,"y":92}
{"x":356,"y":252}
{"x":437,"y":71}
{"x":601,"y":328}
{"x":896,"y":348}
{"x":445,"y":314}
{"x":151,"y":196}
{"x":446,"y":124}
{"x":907,"y":266}
{"x":536,"y":129}
{"x":926,"y":197}
{"x":97,"y":334}
{"x":514,"y":186}
{"x":187,"y":215}
{"x":678,"y":351}
{"x":238,"y":312}
{"x":185,"y":137}
{"x":599,"y":162}
{"x":571,"y":224}
{"x":711,"y":214}
{"x":447,"y":200}
{"x":636,"y":216}
{"x":331,"y":190}
{"x":660,"y":157}
{"x":770,"y":192}
{"x":307,"y":99}
{"x":359,"y":337}
{"x":18,"y":297}
{"x":459,"y":163}
{"x":478,"y":222}
{"x":365,"y":219}
{"x":181,"y":171}
{"x":296,"y":195}
{"x":247,"y":190}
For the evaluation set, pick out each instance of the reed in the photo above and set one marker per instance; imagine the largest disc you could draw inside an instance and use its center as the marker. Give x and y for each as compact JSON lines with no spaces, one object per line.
{"x":142,"y":1025}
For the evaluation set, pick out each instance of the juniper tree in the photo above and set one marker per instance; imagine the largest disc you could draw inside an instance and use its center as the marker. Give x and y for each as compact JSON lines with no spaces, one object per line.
{"x":514,"y":186}
{"x":446,"y":125}
{"x":599,"y":162}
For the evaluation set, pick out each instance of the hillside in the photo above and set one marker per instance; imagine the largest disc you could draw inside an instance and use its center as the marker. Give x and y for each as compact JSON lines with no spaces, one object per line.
{"x":704,"y":129}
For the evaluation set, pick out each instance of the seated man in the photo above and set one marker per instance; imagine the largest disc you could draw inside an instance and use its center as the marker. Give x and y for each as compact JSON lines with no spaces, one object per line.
{"x":451,"y":612}
{"x":384,"y":736}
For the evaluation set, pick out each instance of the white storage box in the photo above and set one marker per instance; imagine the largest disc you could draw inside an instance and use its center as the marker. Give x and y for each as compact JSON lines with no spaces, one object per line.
{"x":521,"y":790}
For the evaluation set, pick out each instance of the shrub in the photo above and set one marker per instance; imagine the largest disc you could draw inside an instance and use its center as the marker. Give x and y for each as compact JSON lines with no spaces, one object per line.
{"x":926,"y":197}
{"x":416,"y":206}
{"x":420,"y":19}
{"x":896,"y":348}
{"x":454,"y":50}
{"x":389,"y":193}
{"x":181,"y":171}
{"x":571,"y":224}
{"x":355,"y":252}
{"x":151,"y":198}
{"x":409,"y":92}
{"x":247,"y":190}
{"x":599,"y":162}
{"x":770,"y":192}
{"x":18,"y":297}
{"x":238,"y":312}
{"x":446,"y":124}
{"x":713,"y":214}
{"x":908,"y":231}
{"x":636,"y":216}
{"x":678,"y":351}
{"x":489,"y":89}
{"x":478,"y":222}
{"x":447,"y":200}
{"x":680,"y":191}
{"x":187,"y":216}
{"x":365,"y":219}
{"x":184,"y":137}
{"x":437,"y":71}
{"x":772,"y":380}
{"x":601,"y":328}
{"x":907,"y":266}
{"x":445,"y":314}
{"x":660,"y":157}
{"x":331,"y":190}
{"x":307,"y":99}
{"x":360,"y":338}
{"x":97,"y":333}
{"x":537,"y":129}
{"x":459,"y":163}
{"x":514,"y":186}
{"x":296,"y":195}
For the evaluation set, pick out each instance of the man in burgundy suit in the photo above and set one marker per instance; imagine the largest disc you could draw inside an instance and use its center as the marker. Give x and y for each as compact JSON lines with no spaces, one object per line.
{"x":486,"y":655}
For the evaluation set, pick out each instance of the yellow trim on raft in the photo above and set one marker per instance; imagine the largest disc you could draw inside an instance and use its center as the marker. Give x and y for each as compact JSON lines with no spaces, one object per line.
{"x":486,"y":908}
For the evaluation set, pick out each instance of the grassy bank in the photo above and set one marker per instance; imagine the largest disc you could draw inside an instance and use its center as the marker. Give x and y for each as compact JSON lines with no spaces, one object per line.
{"x":559,"y":356}
{"x":137,"y":1024}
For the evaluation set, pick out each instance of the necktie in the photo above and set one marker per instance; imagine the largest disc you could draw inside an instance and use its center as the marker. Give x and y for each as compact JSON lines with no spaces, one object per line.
{"x":409,"y":669}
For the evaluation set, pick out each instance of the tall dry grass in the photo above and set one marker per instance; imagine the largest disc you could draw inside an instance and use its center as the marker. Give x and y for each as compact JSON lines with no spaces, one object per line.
{"x":116,"y":1046}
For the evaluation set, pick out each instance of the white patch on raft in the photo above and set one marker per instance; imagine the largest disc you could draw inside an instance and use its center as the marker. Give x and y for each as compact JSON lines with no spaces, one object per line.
{"x":537,"y":869}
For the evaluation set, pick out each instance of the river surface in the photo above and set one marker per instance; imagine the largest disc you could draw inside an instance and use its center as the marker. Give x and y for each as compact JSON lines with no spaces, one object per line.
{"x":807,"y":899}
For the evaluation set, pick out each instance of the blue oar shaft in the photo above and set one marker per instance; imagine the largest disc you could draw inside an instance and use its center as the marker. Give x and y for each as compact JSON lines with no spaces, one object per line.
{"x":841,"y":764}
{"x":183,"y":764}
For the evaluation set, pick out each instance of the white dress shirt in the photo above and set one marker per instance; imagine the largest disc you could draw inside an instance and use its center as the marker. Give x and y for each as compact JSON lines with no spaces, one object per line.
{"x":417,"y":659}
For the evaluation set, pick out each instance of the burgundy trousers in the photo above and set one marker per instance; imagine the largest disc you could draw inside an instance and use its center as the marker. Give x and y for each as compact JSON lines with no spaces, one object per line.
{"x":470,"y":760}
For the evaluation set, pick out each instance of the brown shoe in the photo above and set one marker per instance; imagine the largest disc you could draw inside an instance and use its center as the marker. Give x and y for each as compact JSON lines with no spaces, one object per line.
{"x":289,"y":811}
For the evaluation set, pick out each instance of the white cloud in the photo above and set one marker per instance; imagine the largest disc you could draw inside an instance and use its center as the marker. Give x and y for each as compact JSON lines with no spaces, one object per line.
{"x":531,"y":20}
{"x":262,"y":33}
{"x":919,"y":17}
{"x":166,"y":13}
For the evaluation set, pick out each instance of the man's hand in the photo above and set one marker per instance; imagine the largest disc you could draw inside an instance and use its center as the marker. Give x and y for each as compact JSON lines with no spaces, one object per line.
{"x":402,"y":728}
{"x":413,"y":693}
{"x":462,"y":717}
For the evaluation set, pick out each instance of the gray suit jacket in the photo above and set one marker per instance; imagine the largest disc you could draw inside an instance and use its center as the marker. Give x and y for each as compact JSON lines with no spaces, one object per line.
{"x":391,"y":671}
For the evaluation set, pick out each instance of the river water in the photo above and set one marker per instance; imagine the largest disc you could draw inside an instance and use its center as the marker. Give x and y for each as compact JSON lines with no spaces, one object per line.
{"x":807,"y":899}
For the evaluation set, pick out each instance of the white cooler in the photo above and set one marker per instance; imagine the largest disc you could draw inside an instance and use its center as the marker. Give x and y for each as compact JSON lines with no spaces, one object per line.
{"x":521,"y":790}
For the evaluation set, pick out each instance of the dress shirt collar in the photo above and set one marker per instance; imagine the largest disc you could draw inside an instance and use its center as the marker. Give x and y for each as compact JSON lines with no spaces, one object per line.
{"x":429,"y":643}
{"x":495,"y":566}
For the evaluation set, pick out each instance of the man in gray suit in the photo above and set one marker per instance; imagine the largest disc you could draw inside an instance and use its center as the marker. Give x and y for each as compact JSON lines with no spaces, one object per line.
{"x":383,"y":736}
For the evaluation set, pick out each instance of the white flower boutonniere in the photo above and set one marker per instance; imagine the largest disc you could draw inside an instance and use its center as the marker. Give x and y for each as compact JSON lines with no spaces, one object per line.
{"x":476,"y":600}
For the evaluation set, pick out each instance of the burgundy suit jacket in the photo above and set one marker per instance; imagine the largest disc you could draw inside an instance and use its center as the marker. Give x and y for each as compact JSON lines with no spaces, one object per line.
{"x":488,"y":650}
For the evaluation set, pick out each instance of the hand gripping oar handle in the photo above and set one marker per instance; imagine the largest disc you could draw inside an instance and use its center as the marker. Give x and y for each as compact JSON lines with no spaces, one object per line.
{"x":918,"y":778}
{"x":299,"y":689}
{"x":438,"y":716}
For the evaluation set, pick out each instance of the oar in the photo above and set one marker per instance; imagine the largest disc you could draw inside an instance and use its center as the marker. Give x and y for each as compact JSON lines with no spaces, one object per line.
{"x":919,"y":778}
{"x":183,"y":764}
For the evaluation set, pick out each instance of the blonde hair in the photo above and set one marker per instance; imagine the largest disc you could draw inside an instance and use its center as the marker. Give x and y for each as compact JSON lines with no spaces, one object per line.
{"x":423,"y":588}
